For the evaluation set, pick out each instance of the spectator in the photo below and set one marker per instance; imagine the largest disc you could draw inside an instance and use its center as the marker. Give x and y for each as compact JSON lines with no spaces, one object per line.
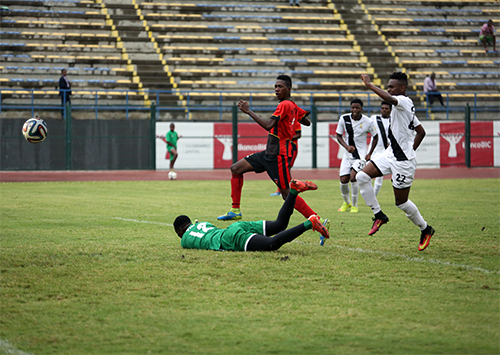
{"x":430,"y":89}
{"x":295,"y":2}
{"x":64,"y":91}
{"x":487,"y":35}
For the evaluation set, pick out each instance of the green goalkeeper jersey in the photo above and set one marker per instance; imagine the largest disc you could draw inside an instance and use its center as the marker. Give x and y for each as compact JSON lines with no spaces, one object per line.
{"x":235,"y":237}
{"x":172,"y":138}
{"x":202,"y":235}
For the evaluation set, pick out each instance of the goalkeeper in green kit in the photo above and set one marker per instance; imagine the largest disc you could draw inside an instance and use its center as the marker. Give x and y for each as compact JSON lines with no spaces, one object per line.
{"x":250,"y":236}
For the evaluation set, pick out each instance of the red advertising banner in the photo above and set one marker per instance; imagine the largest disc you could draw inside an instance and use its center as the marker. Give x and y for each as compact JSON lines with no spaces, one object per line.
{"x":252,"y":138}
{"x":452,"y":143}
{"x":336,"y":151}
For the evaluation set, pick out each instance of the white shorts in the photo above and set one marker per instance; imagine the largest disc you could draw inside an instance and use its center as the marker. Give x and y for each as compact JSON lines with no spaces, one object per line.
{"x":403,"y":172}
{"x":347,"y":164}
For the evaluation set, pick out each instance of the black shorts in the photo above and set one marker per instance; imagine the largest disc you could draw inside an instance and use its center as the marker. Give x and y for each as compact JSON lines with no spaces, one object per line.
{"x":291,"y":160}
{"x":276,"y":167}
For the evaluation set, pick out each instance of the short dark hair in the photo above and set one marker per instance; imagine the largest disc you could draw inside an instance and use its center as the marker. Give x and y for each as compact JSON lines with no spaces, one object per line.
{"x":398,"y":75}
{"x":385,"y":103}
{"x":286,"y":79}
{"x":181,"y":221}
{"x":357,"y":101}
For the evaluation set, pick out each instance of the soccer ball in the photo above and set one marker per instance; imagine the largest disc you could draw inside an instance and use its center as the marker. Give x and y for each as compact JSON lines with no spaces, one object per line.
{"x":35,"y":130}
{"x":172,"y":175}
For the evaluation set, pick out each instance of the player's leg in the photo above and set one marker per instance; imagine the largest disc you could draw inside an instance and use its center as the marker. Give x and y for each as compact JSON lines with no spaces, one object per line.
{"x":345,"y":173}
{"x":345,"y":191}
{"x":278,"y":170}
{"x":300,"y":204}
{"x":408,"y":207}
{"x":371,"y":170}
{"x":295,"y":152}
{"x":364,"y":178}
{"x":286,"y":210}
{"x":354,"y":192}
{"x":262,"y":243}
{"x":291,"y":161}
{"x":377,"y":184}
{"x":173,"y":157}
{"x":404,"y":174}
{"x":237,"y":170}
{"x":281,"y":222}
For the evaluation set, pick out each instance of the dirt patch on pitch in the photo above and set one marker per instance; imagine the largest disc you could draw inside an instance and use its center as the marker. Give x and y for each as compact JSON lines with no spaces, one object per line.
{"x":224,"y":174}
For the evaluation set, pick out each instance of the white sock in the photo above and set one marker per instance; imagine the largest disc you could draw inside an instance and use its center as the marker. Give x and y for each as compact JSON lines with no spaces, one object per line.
{"x":366,"y":189}
{"x":377,"y":184}
{"x":354,"y":193}
{"x":344,"y":190}
{"x":413,"y":214}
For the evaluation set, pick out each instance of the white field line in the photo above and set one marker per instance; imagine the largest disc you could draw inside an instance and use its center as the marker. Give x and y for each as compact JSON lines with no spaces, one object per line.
{"x":137,"y":221}
{"x":359,"y":250}
{"x":418,"y":260}
{"x":7,"y":348}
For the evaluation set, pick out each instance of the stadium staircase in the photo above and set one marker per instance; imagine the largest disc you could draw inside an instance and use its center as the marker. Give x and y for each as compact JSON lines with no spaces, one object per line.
{"x":439,"y":36}
{"x":40,"y":38}
{"x":206,"y":51}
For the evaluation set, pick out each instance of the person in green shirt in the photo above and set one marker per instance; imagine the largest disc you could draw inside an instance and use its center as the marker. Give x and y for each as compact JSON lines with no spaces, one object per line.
{"x":171,"y":139}
{"x":250,"y":236}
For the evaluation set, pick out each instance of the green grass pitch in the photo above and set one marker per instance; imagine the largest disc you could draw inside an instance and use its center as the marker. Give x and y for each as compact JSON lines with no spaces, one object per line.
{"x":95,"y":268}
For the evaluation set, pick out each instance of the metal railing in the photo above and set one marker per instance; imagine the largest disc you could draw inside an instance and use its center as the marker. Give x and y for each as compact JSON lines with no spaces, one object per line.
{"x":189,"y":102}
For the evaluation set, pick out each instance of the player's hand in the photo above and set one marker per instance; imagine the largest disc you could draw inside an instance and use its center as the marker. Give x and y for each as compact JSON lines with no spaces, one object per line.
{"x":351,"y":149}
{"x":244,"y":107}
{"x":368,"y":157}
{"x":365,"y":78}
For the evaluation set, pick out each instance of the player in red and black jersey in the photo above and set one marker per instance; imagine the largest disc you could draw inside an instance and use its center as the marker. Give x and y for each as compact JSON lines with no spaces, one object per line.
{"x":275,"y":159}
{"x":297,"y":127}
{"x":295,"y":144}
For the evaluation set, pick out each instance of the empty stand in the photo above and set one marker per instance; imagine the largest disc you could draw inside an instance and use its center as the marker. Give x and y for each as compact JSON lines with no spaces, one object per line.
{"x":209,"y":52}
{"x":428,"y":36}
{"x":39,"y":39}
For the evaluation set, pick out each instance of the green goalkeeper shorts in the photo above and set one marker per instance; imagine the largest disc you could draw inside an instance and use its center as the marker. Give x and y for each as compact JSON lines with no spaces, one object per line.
{"x":237,"y":235}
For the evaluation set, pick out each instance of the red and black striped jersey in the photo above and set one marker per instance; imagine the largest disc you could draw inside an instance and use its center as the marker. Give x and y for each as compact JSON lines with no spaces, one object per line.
{"x":280,"y":136}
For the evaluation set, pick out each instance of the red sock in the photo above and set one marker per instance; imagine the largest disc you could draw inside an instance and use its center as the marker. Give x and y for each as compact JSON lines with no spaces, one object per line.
{"x":303,"y":207}
{"x":236,"y":187}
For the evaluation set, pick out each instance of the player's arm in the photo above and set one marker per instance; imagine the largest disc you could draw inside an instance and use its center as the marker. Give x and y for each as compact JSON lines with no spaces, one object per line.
{"x":297,"y":135}
{"x":419,"y":137}
{"x":384,"y":95}
{"x":305,"y":121}
{"x":372,"y":148}
{"x":267,"y":124}
{"x":341,"y":141}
